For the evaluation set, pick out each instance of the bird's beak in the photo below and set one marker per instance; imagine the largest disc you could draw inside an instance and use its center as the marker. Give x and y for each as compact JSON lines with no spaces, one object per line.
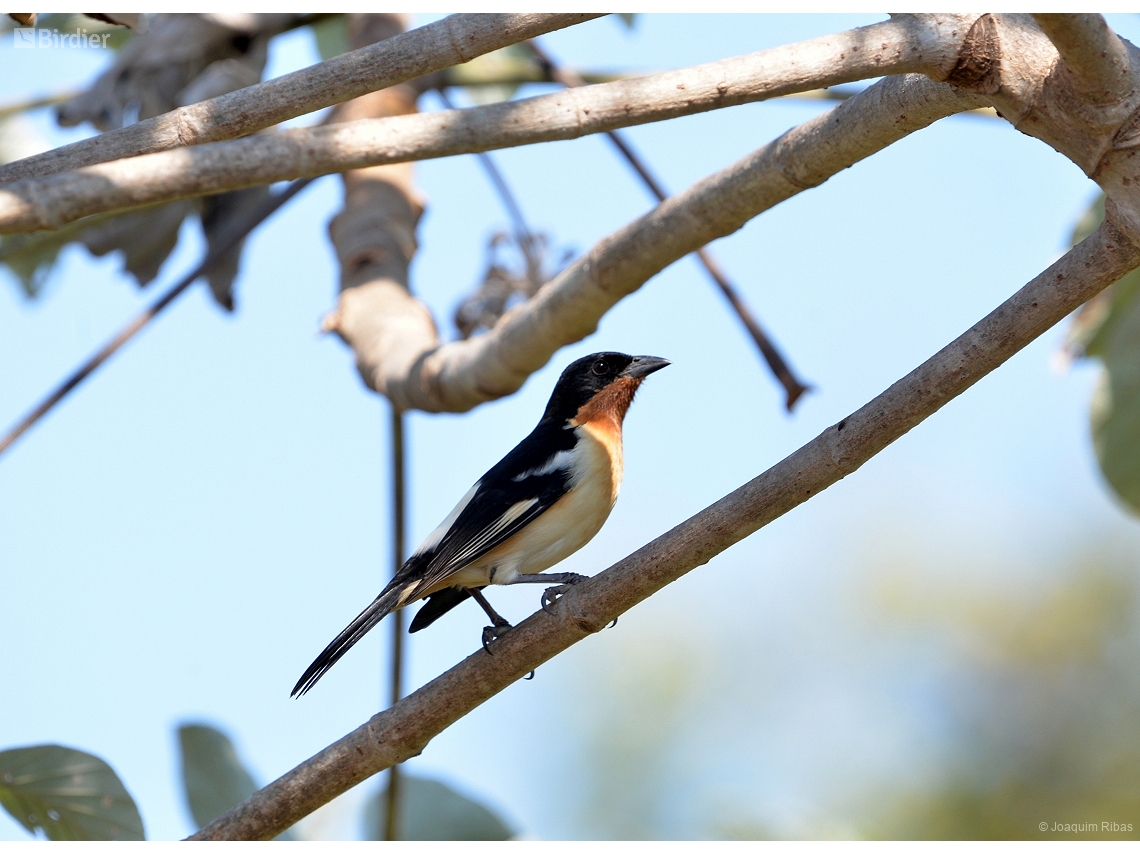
{"x":642,"y":366}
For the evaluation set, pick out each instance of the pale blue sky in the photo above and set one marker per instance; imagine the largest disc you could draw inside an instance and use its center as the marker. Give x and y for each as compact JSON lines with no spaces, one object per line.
{"x":185,"y":533}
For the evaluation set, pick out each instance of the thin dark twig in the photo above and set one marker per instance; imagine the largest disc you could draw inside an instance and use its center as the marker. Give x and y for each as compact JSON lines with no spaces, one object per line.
{"x":524,"y":237}
{"x":392,"y":797}
{"x":794,"y":388}
{"x":226,"y":242}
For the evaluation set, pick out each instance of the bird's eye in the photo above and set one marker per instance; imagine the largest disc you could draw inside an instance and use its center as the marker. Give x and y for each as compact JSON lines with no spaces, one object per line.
{"x":601,"y":367}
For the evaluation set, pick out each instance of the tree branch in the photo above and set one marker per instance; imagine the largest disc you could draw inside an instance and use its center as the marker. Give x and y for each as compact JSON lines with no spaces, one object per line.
{"x":421,"y":374}
{"x":912,"y":44}
{"x":1093,"y":53}
{"x":404,"y":730}
{"x":455,"y":39}
{"x":794,"y":389}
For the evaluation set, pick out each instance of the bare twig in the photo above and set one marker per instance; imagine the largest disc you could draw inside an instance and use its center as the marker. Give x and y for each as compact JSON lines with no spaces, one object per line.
{"x":224,"y":243}
{"x":404,"y":730}
{"x":524,"y":237}
{"x":421,"y":373}
{"x":53,"y":200}
{"x":1093,"y":53}
{"x":399,"y":495}
{"x":793,"y":388}
{"x":455,"y":39}
{"x":33,"y":104}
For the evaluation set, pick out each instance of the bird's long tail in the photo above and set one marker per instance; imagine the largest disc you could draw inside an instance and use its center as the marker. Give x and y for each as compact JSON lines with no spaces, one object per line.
{"x":376,"y":612}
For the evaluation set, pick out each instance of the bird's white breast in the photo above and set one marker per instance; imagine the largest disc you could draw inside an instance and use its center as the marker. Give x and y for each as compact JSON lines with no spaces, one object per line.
{"x":595,"y":465}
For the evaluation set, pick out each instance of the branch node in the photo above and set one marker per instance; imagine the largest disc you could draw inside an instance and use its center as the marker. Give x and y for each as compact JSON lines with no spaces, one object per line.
{"x":979,"y":61}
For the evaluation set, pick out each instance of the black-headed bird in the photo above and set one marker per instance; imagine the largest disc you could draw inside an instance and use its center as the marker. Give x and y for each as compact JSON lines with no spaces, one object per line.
{"x":537,"y":506}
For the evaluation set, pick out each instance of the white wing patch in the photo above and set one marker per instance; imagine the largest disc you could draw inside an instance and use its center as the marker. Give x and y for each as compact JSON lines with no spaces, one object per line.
{"x":486,"y":535}
{"x":561,"y":460}
{"x":433,"y":539}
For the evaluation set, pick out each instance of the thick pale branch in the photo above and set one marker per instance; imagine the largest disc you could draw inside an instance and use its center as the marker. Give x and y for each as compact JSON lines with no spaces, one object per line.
{"x":461,"y":375}
{"x":455,"y":39}
{"x":902,"y":45}
{"x":1092,"y":52}
{"x":1076,"y":89}
{"x":405,"y":729}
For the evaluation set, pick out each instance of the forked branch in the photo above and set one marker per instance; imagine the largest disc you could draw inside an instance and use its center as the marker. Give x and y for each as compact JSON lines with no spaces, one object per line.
{"x":404,"y":730}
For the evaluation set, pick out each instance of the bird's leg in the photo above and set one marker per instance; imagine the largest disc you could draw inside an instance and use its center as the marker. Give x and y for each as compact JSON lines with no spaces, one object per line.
{"x":542,"y":578}
{"x":490,"y":633}
{"x":550,"y":595}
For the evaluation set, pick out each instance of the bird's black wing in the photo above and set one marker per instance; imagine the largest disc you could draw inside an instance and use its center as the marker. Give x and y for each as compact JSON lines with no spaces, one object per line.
{"x":519,"y":489}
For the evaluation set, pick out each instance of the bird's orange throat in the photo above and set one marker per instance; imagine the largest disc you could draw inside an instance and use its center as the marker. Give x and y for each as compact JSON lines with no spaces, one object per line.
{"x":607,"y":409}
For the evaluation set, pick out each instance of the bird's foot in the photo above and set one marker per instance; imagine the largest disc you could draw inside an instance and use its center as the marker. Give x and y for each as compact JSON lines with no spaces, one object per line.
{"x":490,"y":633}
{"x":552,"y":595}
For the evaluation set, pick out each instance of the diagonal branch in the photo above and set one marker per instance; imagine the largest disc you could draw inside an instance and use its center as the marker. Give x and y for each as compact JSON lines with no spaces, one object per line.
{"x":404,"y":730}
{"x":421,"y":374}
{"x":913,"y":45}
{"x":455,"y":39}
{"x":1092,"y":52}
{"x":794,"y":389}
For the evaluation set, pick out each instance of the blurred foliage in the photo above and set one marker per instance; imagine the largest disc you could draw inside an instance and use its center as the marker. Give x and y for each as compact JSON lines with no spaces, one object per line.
{"x":496,"y":76}
{"x":431,"y":810}
{"x":31,"y":257}
{"x":1108,"y":328}
{"x":213,"y":778}
{"x":647,"y":700}
{"x":1047,"y":713}
{"x":331,"y":34}
{"x":68,"y":794}
{"x":74,"y":22}
{"x":145,"y":237}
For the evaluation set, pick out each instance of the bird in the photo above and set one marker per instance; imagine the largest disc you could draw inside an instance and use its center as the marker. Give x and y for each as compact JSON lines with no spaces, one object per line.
{"x":537,"y":506}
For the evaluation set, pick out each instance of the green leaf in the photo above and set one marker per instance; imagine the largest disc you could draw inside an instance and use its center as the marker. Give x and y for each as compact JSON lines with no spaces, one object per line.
{"x":213,"y":778}
{"x":431,"y":810}
{"x":1116,"y":404}
{"x":1108,"y":327}
{"x":496,"y":76}
{"x":628,"y":18}
{"x":69,"y":794}
{"x":332,"y":36}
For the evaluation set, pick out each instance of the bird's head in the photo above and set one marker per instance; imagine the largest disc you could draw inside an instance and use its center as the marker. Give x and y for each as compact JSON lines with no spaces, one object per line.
{"x":599,"y":385}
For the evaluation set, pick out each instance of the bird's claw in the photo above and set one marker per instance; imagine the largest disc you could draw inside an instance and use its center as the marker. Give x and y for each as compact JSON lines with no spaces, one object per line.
{"x":490,"y":633}
{"x":552,"y":595}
